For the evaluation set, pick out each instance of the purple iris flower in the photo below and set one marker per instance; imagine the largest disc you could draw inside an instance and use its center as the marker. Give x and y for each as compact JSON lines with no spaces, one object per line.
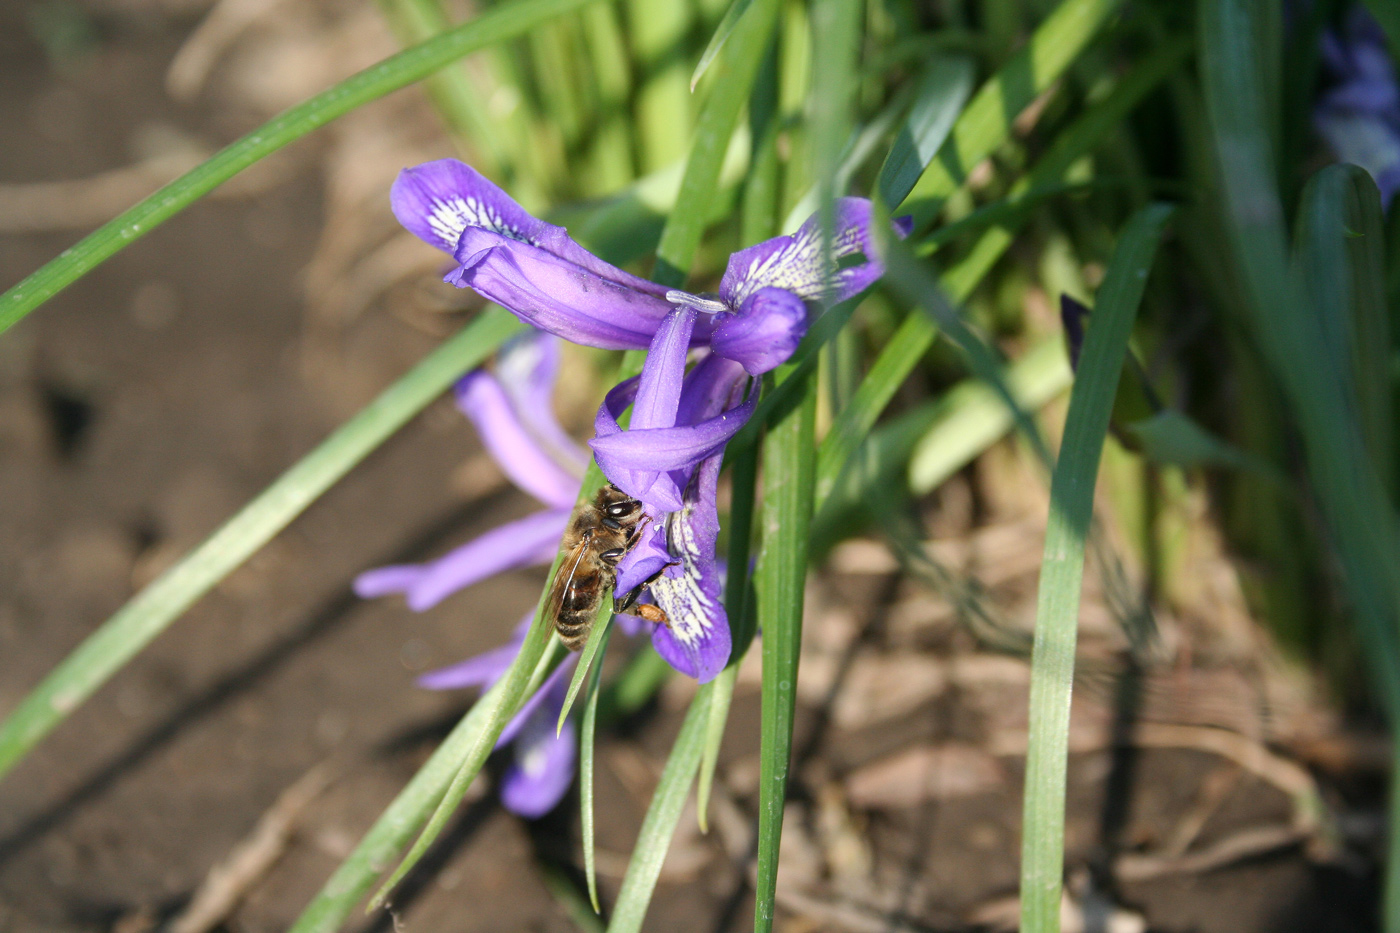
{"x":512,"y":412}
{"x":670,"y":455}
{"x":1359,"y":114}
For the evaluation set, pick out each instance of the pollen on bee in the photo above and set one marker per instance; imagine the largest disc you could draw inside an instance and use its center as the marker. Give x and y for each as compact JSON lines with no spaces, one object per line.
{"x":652,"y":614}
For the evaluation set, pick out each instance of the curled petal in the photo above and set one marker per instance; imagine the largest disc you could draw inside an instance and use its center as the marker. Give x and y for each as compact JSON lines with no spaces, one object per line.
{"x":765,"y":331}
{"x":531,"y":540}
{"x":696,"y":640}
{"x":436,"y":201}
{"x":795,"y":263}
{"x":557,"y":295}
{"x":659,"y":391}
{"x":527,"y":368}
{"x":670,"y":448}
{"x":439,"y":201}
{"x":482,"y":399}
{"x":713,"y":386}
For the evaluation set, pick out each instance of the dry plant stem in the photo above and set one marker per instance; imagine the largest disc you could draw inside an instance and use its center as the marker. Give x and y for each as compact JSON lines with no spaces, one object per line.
{"x":1245,"y":844}
{"x":229,"y":881}
{"x":1253,"y":757}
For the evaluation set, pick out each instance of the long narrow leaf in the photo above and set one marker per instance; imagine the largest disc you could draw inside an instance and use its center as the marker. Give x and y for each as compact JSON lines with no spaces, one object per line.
{"x":913,"y":338}
{"x":150,"y":611}
{"x":1062,"y":569}
{"x":594,"y":646}
{"x":399,"y":71}
{"x":939,"y":100}
{"x":986,"y":121}
{"x":741,"y":58}
{"x":788,"y":471}
{"x":662,"y":816}
{"x":720,"y":37}
{"x":393,"y":829}
{"x":588,"y":731}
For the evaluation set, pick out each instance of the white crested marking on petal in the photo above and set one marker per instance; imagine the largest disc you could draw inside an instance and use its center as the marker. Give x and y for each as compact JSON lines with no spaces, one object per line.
{"x":450,"y":216}
{"x":681,"y":597}
{"x":797,"y":267}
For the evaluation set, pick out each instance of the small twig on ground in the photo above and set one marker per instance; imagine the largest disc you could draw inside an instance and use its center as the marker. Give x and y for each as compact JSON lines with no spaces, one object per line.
{"x":1247,"y":843}
{"x":229,"y":880}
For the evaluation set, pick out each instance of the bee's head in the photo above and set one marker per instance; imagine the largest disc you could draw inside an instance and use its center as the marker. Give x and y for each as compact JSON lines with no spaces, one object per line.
{"x":616,"y":504}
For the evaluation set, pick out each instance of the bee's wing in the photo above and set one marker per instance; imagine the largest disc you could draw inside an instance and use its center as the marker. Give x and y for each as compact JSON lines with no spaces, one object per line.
{"x":564,"y":579}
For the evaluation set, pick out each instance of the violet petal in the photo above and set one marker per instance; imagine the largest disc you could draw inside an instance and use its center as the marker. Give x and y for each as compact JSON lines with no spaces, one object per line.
{"x":482,"y":399}
{"x":795,"y":263}
{"x":542,"y":768}
{"x":765,"y":331}
{"x":436,"y":201}
{"x":696,"y":641}
{"x":647,"y":557}
{"x":527,"y":368}
{"x":522,"y":543}
{"x":557,"y":295}
{"x":670,"y":448}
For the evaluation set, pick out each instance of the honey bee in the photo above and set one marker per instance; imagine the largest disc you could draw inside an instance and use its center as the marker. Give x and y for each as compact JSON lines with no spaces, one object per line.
{"x":599,"y":535}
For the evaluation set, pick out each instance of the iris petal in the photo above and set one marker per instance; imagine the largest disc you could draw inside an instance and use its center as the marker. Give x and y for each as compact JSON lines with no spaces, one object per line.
{"x":482,"y":399}
{"x":696,"y":641}
{"x":543,"y":763}
{"x":531,"y":540}
{"x":527,"y":368}
{"x":765,"y":331}
{"x":557,"y":295}
{"x":436,"y":201}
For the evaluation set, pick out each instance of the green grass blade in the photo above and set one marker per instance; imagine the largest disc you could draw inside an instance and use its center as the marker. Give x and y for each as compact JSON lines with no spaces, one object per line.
{"x":662,"y":817}
{"x":738,"y":600}
{"x":742,"y":56}
{"x":986,"y":121}
{"x":720,"y":700}
{"x":570,"y":899}
{"x":597,"y":638}
{"x":148,"y":613}
{"x":1288,"y":330}
{"x":1062,"y":569}
{"x":914,"y":337}
{"x":1387,"y":13}
{"x":940,"y":98}
{"x":530,"y":666}
{"x":720,"y":37}
{"x":1341,"y":251}
{"x":399,"y":71}
{"x":975,"y":417}
{"x":788,"y":473}
{"x":911,"y":279}
{"x":458,"y":102}
{"x":387,"y":837}
{"x":525,"y":674}
{"x":588,"y":731}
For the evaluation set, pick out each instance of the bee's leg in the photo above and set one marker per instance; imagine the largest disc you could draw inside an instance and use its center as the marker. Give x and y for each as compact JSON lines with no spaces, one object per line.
{"x":636,"y":591}
{"x":636,"y":534}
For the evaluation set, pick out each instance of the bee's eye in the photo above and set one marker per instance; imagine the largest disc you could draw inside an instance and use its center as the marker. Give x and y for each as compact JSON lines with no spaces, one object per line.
{"x":619,"y":509}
